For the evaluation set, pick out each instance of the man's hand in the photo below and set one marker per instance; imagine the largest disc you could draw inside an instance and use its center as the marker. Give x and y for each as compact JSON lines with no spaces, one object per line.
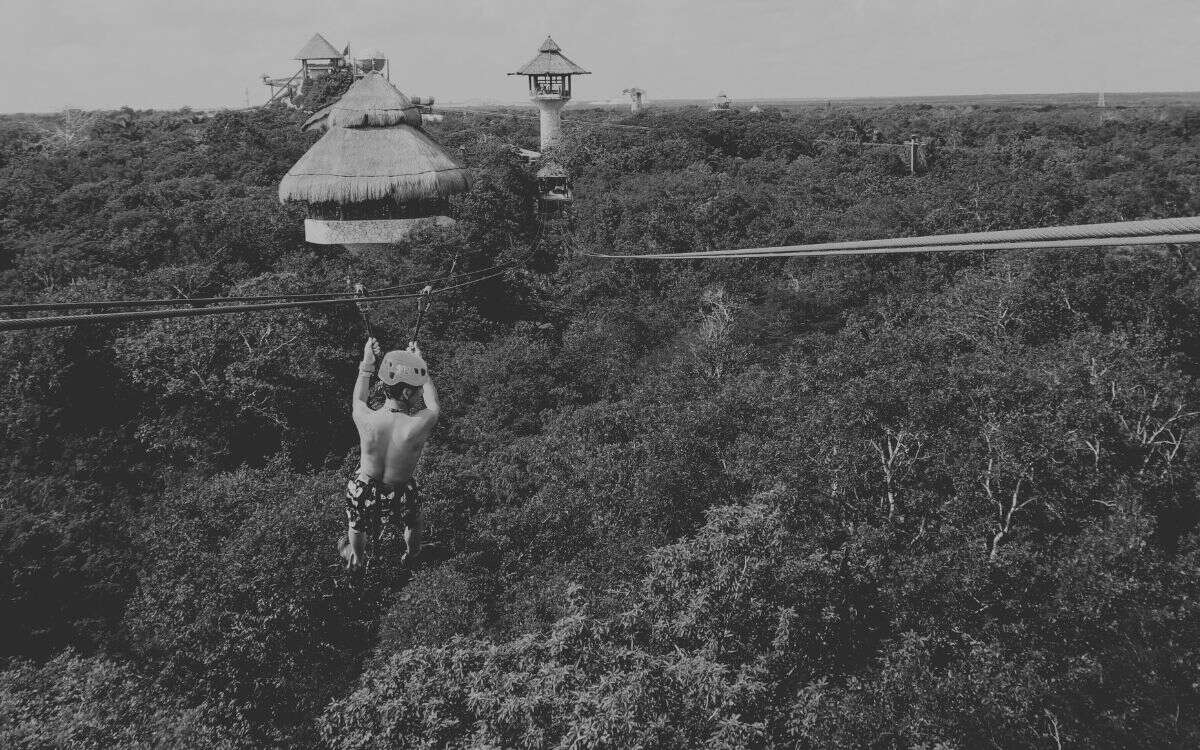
{"x":370,"y":353}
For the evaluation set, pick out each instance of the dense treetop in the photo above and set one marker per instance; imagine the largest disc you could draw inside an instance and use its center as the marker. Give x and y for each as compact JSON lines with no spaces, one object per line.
{"x":933,"y":501}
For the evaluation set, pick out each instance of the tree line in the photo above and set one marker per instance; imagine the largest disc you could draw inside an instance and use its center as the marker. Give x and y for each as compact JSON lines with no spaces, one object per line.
{"x":929,"y":501}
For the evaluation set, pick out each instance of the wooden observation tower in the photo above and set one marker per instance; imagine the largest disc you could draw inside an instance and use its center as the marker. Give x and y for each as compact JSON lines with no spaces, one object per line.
{"x":549,"y":75}
{"x":550,"y":87}
{"x":318,"y":58}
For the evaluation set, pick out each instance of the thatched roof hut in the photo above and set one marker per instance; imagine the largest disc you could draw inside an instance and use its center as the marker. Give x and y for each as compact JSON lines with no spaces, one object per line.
{"x":374,"y":148}
{"x":354,"y":165}
{"x":373,"y":102}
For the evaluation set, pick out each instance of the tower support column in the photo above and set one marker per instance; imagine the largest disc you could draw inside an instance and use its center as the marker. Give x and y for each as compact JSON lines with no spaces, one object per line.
{"x":551,"y":120}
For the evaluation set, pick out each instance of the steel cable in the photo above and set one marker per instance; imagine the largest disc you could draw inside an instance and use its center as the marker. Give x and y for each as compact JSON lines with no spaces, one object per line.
{"x":1154,"y":231}
{"x":1159,"y":239}
{"x":102,"y":304}
{"x":58,"y":321}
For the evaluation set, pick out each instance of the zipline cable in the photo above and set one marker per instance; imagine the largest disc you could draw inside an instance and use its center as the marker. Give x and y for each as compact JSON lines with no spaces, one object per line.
{"x":102,"y":304}
{"x":28,"y":324}
{"x":1150,"y":232}
{"x":158,"y":302}
{"x":448,"y":277}
{"x":534,"y":115}
{"x":1159,"y":239}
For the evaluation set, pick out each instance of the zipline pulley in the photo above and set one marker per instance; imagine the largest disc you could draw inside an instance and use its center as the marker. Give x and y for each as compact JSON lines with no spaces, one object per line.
{"x":361,"y":291}
{"x":422,"y":306}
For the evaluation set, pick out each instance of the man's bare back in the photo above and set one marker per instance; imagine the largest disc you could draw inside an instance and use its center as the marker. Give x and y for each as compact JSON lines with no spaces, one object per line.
{"x":391,"y":442}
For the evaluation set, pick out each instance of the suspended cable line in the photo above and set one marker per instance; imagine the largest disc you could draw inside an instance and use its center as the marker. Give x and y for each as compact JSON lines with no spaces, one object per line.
{"x":27,"y":324}
{"x":1161,"y":239}
{"x":1150,"y":232}
{"x":449,"y":276}
{"x":102,"y":304}
{"x":533,"y":116}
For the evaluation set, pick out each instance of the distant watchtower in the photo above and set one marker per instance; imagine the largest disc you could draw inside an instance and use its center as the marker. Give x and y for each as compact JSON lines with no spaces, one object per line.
{"x":318,"y":58}
{"x":636,"y":96}
{"x":550,"y":87}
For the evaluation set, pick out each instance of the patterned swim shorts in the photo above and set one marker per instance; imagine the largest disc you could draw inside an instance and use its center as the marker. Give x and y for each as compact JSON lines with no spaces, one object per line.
{"x":371,"y":504}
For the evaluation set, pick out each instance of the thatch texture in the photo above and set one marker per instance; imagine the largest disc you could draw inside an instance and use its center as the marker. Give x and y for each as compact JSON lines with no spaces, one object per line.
{"x":353,"y":165}
{"x":550,"y":61}
{"x":318,"y":48}
{"x":318,"y":120}
{"x":373,"y":102}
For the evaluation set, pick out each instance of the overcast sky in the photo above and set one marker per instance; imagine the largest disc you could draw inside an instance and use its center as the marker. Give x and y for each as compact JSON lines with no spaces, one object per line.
{"x":207,"y":53}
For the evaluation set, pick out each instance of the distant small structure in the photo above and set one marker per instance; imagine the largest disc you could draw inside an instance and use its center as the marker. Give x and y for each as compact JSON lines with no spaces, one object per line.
{"x":554,"y":188}
{"x":916,"y":152}
{"x":721,"y":103}
{"x":636,"y":97}
{"x":319,"y":58}
{"x":372,"y":60}
{"x":1100,"y":101}
{"x":424,"y":105}
{"x":756,"y":110}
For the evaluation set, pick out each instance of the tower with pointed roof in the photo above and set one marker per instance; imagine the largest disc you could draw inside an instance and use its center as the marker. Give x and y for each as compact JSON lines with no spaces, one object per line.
{"x":549,"y":76}
{"x":318,"y":57}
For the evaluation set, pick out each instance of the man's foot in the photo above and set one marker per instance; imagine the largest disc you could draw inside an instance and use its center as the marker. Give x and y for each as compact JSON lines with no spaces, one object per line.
{"x":429,"y":552}
{"x":354,"y":563}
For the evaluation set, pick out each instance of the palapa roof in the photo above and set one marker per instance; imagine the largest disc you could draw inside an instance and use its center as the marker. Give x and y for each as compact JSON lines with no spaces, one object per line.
{"x":318,"y":120}
{"x":318,"y":48}
{"x":550,"y":61}
{"x":353,"y":165}
{"x":374,"y":148}
{"x":372,"y":101}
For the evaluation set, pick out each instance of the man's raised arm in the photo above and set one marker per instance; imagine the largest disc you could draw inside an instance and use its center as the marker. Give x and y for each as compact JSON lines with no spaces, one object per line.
{"x":429,"y":395}
{"x":366,"y":368}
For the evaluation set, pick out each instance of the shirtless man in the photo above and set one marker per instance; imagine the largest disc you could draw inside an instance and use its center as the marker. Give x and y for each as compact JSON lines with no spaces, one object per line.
{"x":391,"y":440}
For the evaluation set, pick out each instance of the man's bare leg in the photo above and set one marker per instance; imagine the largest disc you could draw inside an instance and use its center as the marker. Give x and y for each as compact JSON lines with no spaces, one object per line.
{"x":353,"y":551}
{"x":413,"y":535}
